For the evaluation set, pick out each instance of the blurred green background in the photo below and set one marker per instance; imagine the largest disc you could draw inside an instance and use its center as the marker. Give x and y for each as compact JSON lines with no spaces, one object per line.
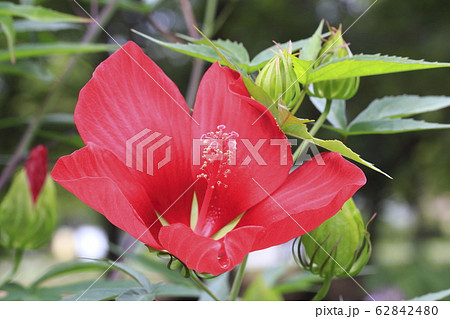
{"x":411,"y":232}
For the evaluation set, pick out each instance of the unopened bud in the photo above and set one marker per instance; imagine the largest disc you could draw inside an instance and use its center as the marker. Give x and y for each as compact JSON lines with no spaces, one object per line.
{"x":339,"y":247}
{"x":278,"y":79}
{"x":28,"y":210}
{"x":342,"y":89}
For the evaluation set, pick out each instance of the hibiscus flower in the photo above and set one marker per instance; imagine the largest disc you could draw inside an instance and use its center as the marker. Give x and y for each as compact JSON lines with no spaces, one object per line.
{"x":220,"y":186}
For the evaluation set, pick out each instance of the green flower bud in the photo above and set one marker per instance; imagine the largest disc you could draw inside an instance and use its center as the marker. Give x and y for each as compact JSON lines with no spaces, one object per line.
{"x":28,"y":210}
{"x":279,"y":81}
{"x":342,"y":89}
{"x":339,"y":247}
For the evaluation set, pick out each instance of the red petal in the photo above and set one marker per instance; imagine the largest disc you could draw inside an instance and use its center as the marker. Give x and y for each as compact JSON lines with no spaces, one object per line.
{"x":222,"y":99}
{"x":36,"y":168}
{"x":101,"y":181}
{"x":130,"y":95}
{"x":312,"y":194}
{"x":206,"y":255}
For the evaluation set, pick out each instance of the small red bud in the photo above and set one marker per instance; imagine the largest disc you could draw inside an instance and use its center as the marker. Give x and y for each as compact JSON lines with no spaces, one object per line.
{"x":36,"y":168}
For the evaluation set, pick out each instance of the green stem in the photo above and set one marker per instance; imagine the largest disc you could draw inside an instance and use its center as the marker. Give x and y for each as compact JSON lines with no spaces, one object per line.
{"x":18,"y":254}
{"x":300,"y":101}
{"x":324,"y":290}
{"x":202,"y":286}
{"x":314,"y":130}
{"x":208,"y":19}
{"x":238,"y":280}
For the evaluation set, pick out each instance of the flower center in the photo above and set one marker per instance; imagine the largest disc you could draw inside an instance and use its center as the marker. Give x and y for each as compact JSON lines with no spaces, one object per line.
{"x":219,"y":153}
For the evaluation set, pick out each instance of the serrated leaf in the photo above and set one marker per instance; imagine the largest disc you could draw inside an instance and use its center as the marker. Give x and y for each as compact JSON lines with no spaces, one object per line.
{"x":312,"y":47}
{"x":300,"y":131}
{"x":401,"y":106}
{"x":390,"y":126}
{"x":46,"y":49}
{"x":6,"y":23}
{"x":433,"y":296}
{"x":37,"y":13}
{"x":201,"y":51}
{"x":365,"y":65}
{"x":337,"y":116}
{"x":235,"y":49}
{"x":383,"y":116}
{"x":262,"y":57}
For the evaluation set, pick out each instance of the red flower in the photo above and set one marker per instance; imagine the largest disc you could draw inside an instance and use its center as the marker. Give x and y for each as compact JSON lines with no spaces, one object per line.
{"x":36,"y":168}
{"x":129,"y":95}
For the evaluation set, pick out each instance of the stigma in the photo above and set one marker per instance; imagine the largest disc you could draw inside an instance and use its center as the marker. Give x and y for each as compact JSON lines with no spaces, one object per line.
{"x":218,"y":155}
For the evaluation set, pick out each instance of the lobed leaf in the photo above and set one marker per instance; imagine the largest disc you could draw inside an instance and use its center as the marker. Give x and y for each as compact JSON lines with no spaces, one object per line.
{"x":300,"y":131}
{"x":401,"y":106}
{"x":337,"y":116}
{"x":365,"y":65}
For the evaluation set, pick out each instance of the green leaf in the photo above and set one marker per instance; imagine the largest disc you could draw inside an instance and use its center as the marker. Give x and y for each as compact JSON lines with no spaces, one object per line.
{"x":383,"y":116}
{"x":28,"y":25}
{"x":133,"y":273}
{"x":37,"y":13}
{"x":262,"y":57}
{"x":201,"y":51}
{"x":156,"y":264}
{"x":46,"y":49}
{"x":302,"y":69}
{"x":433,"y":296}
{"x":69,"y":268}
{"x":312,"y":47}
{"x":300,"y":131}
{"x":97,"y":294}
{"x":401,"y":106}
{"x":337,"y":116}
{"x":365,"y":65}
{"x":391,"y":126}
{"x":235,"y":49}
{"x":136,"y":294}
{"x":232,"y":51}
{"x":258,"y":290}
{"x":6,"y":23}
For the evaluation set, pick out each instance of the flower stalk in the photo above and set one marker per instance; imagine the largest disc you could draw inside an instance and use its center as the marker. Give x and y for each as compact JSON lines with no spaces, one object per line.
{"x":238,"y":280}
